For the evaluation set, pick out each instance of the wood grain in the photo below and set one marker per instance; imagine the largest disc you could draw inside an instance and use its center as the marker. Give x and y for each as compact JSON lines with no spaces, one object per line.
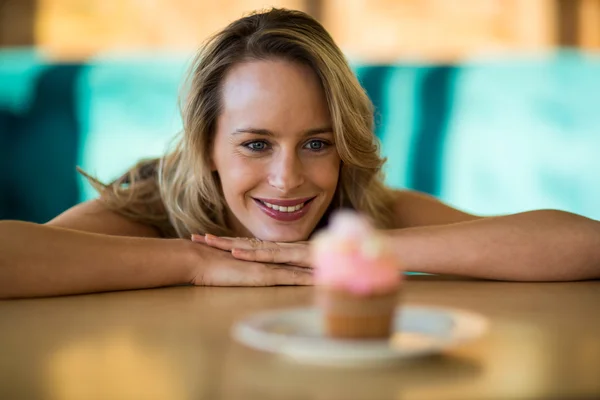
{"x":174,"y":343}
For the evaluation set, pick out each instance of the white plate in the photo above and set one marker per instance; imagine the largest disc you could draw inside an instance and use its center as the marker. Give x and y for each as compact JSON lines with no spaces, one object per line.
{"x":418,"y":331}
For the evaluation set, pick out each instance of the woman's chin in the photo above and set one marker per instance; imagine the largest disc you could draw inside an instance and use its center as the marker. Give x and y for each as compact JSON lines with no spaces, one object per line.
{"x":282,"y":236}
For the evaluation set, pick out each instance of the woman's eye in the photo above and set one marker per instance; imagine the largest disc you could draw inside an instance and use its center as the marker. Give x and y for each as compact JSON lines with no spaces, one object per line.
{"x":256,"y":146}
{"x":315,"y":145}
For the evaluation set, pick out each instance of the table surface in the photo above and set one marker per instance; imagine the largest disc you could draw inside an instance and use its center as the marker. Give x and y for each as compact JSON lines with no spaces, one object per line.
{"x":175,"y":343}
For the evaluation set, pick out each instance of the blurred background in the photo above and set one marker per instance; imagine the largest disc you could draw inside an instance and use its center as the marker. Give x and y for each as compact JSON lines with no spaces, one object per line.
{"x":490,"y":105}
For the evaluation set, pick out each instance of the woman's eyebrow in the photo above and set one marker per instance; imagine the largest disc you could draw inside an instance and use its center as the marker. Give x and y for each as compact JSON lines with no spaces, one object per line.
{"x":266,"y":132}
{"x":325,"y":129}
{"x":256,"y":131}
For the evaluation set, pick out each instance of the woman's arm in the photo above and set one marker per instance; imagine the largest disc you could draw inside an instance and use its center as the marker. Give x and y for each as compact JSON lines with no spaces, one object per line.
{"x":90,"y":249}
{"x":543,"y":245}
{"x":432,"y":237}
{"x":37,"y":260}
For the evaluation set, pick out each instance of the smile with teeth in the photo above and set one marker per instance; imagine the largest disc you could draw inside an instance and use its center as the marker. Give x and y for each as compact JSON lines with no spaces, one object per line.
{"x":288,"y":209}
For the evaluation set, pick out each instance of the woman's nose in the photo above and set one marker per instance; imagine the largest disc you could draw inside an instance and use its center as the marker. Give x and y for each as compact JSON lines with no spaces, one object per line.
{"x":286,"y":172}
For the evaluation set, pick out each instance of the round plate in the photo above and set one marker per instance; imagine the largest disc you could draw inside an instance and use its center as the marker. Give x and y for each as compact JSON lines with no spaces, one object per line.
{"x":418,"y":331}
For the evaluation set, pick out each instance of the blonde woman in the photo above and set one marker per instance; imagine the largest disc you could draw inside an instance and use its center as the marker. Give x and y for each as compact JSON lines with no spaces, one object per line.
{"x":278,"y":133}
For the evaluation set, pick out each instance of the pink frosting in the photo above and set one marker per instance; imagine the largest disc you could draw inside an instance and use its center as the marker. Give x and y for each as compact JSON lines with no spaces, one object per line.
{"x":351,"y":255}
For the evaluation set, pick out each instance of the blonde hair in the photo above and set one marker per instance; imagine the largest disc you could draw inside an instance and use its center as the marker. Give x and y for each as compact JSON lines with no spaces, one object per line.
{"x":184,"y":195}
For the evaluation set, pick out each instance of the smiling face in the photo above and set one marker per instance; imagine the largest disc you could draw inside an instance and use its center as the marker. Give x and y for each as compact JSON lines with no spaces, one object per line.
{"x":274,"y":150}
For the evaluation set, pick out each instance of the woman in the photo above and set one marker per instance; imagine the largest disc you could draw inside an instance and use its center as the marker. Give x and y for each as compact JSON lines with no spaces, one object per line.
{"x":277,"y":134}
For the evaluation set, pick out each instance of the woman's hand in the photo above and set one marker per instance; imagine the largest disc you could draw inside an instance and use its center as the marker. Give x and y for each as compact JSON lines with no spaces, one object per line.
{"x":249,"y":249}
{"x":214,"y":267}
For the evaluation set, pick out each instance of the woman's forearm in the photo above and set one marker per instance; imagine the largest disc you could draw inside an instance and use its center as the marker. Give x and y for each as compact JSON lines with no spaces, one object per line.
{"x":38,"y":260}
{"x":544,"y":245}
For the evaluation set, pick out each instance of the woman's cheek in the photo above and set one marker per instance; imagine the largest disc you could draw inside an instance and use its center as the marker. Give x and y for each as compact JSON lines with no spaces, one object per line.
{"x":244,"y":173}
{"x":325,"y":170}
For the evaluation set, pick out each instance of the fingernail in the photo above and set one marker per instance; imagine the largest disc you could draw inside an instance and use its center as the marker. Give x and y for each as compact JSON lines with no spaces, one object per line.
{"x":208,"y":236}
{"x":237,"y":251}
{"x":197,"y":238}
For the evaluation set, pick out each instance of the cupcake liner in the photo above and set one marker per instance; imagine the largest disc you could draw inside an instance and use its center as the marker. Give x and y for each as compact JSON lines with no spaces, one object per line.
{"x":357,"y":316}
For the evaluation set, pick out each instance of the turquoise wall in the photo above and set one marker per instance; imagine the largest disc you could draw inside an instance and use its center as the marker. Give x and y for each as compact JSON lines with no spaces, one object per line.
{"x":489,"y":136}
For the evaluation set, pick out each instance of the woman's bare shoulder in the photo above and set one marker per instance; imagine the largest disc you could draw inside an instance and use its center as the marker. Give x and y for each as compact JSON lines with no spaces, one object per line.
{"x":92,"y":216}
{"x":413,"y":209}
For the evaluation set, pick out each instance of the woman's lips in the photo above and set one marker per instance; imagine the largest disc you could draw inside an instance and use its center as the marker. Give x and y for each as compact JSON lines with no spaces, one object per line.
{"x":285,"y":202}
{"x":284,"y":215}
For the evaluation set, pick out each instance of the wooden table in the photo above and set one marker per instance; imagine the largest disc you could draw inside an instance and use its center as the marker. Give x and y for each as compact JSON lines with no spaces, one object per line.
{"x":174,"y":344}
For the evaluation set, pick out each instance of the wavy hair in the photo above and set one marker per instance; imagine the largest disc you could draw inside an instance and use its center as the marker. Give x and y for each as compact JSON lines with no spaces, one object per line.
{"x":180,"y":194}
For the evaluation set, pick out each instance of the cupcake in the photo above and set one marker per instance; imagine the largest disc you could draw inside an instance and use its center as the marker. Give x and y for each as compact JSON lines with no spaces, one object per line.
{"x":357,"y":277}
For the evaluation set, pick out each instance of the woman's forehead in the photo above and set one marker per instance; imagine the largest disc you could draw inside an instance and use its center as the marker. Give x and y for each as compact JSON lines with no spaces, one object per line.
{"x":281,"y":92}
